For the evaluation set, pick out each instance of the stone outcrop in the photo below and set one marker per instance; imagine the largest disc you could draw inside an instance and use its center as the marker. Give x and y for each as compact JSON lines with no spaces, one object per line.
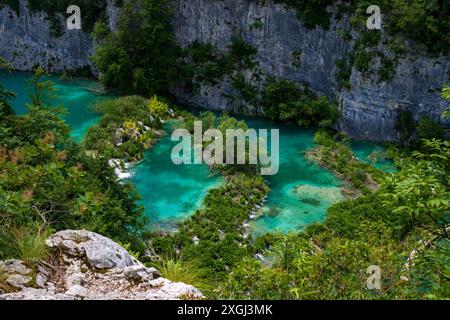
{"x":86,"y":265}
{"x":369,"y":109}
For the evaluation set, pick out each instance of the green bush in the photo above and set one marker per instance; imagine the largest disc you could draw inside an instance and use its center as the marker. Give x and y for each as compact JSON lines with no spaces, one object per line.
{"x":205,"y":64}
{"x":313,"y":13}
{"x":286,"y":101}
{"x":363,"y":60}
{"x":387,"y":69}
{"x":29,"y":243}
{"x":429,"y":129}
{"x":179,"y":270}
{"x":141,"y":56}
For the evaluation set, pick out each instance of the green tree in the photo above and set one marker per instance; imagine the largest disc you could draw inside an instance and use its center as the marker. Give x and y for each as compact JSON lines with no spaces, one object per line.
{"x":141,"y":56}
{"x":43,"y":88}
{"x":5,"y":95}
{"x":428,"y":129}
{"x":48,"y":182}
{"x":446,"y":96}
{"x":287,"y":101}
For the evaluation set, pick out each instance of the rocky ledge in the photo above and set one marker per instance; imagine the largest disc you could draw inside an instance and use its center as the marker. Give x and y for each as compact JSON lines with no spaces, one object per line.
{"x":85,"y":265}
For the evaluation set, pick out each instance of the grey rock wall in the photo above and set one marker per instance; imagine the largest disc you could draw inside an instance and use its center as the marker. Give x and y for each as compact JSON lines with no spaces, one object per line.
{"x":369,"y":109}
{"x":279,"y":35}
{"x":26,"y":41}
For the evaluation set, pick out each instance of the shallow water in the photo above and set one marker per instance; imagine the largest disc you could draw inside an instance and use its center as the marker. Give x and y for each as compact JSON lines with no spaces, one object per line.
{"x":170,"y":193}
{"x":374,"y":154}
{"x":73,"y":95}
{"x":285,"y":209}
{"x":301,"y":191}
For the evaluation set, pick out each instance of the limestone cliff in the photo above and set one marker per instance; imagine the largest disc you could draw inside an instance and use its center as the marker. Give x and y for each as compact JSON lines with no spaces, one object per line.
{"x":369,"y":108}
{"x":26,"y":41}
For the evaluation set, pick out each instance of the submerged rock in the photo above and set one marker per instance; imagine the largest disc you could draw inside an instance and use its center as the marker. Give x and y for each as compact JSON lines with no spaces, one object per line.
{"x":315,"y":195}
{"x":272,"y":211}
{"x":311,"y":201}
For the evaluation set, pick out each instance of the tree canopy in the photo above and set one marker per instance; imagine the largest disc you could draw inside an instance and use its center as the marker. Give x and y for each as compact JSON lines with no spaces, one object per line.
{"x":140,"y":57}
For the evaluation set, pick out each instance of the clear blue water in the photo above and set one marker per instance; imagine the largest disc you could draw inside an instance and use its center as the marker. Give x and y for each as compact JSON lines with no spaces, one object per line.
{"x":287,"y":210}
{"x":301,"y":191}
{"x":74,"y":95}
{"x":374,"y":154}
{"x":170,"y":193}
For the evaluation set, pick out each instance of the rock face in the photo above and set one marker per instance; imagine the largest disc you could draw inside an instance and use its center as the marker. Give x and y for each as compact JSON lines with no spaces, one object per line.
{"x":26,"y":41}
{"x":285,"y":48}
{"x":273,"y":30}
{"x":86,"y":265}
{"x":369,"y":109}
{"x":17,"y":275}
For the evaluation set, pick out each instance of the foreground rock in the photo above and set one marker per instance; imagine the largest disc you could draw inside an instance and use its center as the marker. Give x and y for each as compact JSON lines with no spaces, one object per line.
{"x":86,"y":265}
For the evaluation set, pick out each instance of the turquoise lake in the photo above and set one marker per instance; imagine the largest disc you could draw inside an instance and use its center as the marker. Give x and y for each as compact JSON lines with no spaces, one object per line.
{"x":285,"y":209}
{"x":77,"y":96}
{"x":301,"y":191}
{"x":170,"y":193}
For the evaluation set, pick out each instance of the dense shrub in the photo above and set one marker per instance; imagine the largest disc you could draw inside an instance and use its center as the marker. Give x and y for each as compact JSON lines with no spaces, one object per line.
{"x":287,"y":101}
{"x":49,"y":183}
{"x":126,"y":128}
{"x":141,"y":56}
